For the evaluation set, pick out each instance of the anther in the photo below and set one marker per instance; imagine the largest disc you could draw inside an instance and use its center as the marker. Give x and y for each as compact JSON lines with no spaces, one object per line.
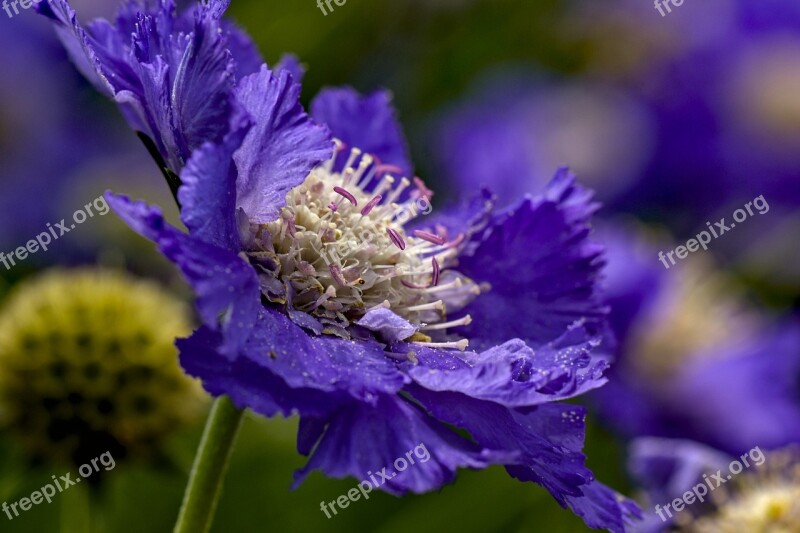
{"x":396,"y":238}
{"x":430,"y":237}
{"x":371,"y":205}
{"x":436,"y":271}
{"x":350,"y":198}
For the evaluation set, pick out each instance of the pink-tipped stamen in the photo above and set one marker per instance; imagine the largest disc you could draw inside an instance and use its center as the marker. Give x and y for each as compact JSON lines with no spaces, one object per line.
{"x":396,"y":238}
{"x":430,"y":237}
{"x":346,"y":194}
{"x":436,"y":271}
{"x":371,"y":205}
{"x":422,"y":188}
{"x":382,"y":169}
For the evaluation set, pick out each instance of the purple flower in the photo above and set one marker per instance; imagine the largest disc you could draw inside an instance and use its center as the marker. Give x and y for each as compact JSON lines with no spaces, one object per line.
{"x":694,"y":361}
{"x":517,"y":127}
{"x":319,"y":298}
{"x":691,"y":487}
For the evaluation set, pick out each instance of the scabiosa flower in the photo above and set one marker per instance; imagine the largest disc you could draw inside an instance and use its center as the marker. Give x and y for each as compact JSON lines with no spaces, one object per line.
{"x":322,"y":296}
{"x":695,"y":360}
{"x":516,"y":128}
{"x":763,"y":497}
{"x":88,"y":366}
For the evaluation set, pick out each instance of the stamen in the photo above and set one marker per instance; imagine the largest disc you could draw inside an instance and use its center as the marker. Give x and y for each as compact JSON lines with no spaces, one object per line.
{"x":460,"y":345}
{"x":347,"y":174}
{"x":396,"y":238}
{"x":336,"y":274}
{"x":338,"y":147}
{"x":383,"y":305}
{"x":366,"y":161}
{"x":457,"y":284}
{"x":446,"y":254}
{"x":436,"y":271}
{"x":384,"y":185}
{"x":385,"y":168}
{"x":367,"y":179}
{"x":411,"y":285}
{"x":354,"y":152}
{"x":466,"y":321}
{"x":346,"y":194}
{"x":430,"y":237}
{"x":404,"y":183}
{"x":333,"y":207}
{"x":438,"y":305}
{"x":422,"y":188}
{"x":371,"y":205}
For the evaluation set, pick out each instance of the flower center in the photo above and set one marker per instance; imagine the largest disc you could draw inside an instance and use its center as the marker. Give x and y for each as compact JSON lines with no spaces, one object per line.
{"x":766,"y":500}
{"x":340,"y":249}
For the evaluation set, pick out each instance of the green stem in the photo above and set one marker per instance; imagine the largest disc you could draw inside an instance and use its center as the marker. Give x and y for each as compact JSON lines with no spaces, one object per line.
{"x":210,"y":465}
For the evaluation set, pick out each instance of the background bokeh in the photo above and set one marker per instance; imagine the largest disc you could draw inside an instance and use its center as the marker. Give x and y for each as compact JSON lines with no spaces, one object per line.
{"x":673,"y":121}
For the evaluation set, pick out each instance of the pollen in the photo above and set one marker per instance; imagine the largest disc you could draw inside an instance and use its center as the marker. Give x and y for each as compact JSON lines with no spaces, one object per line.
{"x":340,"y":248}
{"x":765,"y":500}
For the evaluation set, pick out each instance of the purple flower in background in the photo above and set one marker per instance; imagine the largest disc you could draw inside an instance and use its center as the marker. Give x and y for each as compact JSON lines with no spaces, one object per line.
{"x":515,"y":128}
{"x":319,"y":297}
{"x":695,"y":362}
{"x":50,"y":111}
{"x":694,"y":488}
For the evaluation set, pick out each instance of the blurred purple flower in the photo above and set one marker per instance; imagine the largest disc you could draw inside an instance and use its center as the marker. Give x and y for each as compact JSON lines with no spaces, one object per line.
{"x":515,"y":128}
{"x":694,"y":361}
{"x":757,"y":490}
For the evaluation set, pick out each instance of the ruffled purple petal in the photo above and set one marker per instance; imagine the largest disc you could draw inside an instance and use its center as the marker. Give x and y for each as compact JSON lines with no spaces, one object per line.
{"x":362,"y":440}
{"x":80,"y":46}
{"x":541,"y":266}
{"x":461,"y":221}
{"x":283,"y":369}
{"x":281,"y":149}
{"x":358,"y":369}
{"x":245,"y":53}
{"x":549,"y":439}
{"x":228,"y":296}
{"x":172,"y":79}
{"x":390,"y":327}
{"x":208,"y":191}
{"x":246,"y":381}
{"x":291,"y":64}
{"x":513,"y":374}
{"x":365,"y":122}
